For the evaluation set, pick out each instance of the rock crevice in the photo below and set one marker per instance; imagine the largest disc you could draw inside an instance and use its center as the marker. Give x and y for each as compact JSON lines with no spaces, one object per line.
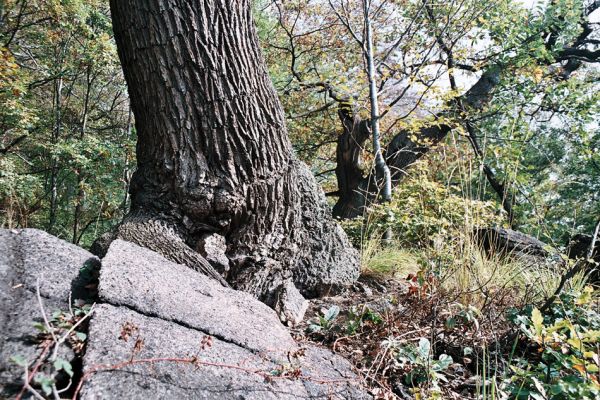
{"x":152,"y":316}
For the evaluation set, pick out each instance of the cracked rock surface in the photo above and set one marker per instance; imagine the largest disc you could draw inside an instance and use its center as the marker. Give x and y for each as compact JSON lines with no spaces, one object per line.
{"x":26,"y":257}
{"x":234,"y":371}
{"x":154,"y":317}
{"x":144,"y":281}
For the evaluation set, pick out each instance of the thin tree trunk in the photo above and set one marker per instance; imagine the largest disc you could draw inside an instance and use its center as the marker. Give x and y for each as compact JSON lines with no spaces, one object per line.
{"x":80,"y":175}
{"x":126,"y":170}
{"x":213,"y":152}
{"x":506,"y":198}
{"x":590,"y":253}
{"x":58,"y":83}
{"x":381,"y":167}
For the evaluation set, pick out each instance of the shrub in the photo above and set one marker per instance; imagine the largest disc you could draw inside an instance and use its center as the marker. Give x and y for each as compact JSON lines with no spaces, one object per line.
{"x":423,"y":211}
{"x":566,"y":358}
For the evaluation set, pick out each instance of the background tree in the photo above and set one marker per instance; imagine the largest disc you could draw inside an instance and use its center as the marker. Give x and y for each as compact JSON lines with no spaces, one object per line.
{"x":452,"y":65}
{"x":66,"y":141}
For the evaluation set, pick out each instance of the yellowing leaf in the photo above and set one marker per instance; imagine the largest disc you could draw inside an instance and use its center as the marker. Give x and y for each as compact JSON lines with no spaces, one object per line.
{"x":538,"y":320}
{"x":591,"y":368}
{"x":585,"y":297}
{"x":580,"y":368}
{"x":538,"y":74}
{"x":576,"y":343}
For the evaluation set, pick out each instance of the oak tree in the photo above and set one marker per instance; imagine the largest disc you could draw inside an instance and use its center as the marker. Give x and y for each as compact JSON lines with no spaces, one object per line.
{"x":214,"y":155}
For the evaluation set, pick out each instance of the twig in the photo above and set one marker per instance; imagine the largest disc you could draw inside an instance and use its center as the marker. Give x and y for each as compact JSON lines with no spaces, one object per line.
{"x":196,"y":362}
{"x":29,"y":376}
{"x":55,"y":342}
{"x":339,"y":340}
{"x":66,"y":387}
{"x":29,"y":388}
{"x":55,"y":392}
{"x":71,"y":304}
{"x":593,"y":244}
{"x":71,"y":330}
{"x":41,"y":304}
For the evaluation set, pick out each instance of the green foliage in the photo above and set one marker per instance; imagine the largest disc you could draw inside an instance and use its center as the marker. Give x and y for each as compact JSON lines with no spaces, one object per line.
{"x":356,"y":319}
{"x":423,"y":211}
{"x":62,"y":327}
{"x":360,"y":316}
{"x":16,"y":116}
{"x":421,"y":365}
{"x":66,"y":138}
{"x":45,"y":382}
{"x":63,"y":321}
{"x":464,"y":316}
{"x":565,"y":363}
{"x":539,"y":130}
{"x":563,"y":181}
{"x":63,"y":365}
{"x":324,"y":321}
{"x":19,"y":360}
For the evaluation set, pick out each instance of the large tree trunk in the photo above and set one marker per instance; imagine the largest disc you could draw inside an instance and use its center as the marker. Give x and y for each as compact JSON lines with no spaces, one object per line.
{"x":213,"y":151}
{"x":349,"y":169}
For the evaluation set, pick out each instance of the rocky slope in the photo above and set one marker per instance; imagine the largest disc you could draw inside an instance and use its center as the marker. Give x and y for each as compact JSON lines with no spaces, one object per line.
{"x":157,"y":330}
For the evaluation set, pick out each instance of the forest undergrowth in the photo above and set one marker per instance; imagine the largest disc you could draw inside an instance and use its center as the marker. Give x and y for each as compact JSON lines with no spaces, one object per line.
{"x":418,"y":337}
{"x":437,"y":315}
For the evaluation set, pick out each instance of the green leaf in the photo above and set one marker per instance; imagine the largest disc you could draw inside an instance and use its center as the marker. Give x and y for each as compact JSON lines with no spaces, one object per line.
{"x":45,"y":382}
{"x":450,"y":323}
{"x":424,"y":347}
{"x":444,"y":362}
{"x":19,"y":360}
{"x":585,"y":297}
{"x":40,"y":327}
{"x":332,"y":313}
{"x":61,"y":364}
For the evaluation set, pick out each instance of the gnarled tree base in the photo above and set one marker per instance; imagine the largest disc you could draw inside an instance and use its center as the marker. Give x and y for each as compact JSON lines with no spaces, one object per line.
{"x":160,"y":235}
{"x":315,"y":255}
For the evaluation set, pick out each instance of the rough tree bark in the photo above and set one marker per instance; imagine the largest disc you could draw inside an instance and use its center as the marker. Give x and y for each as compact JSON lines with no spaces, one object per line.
{"x":349,"y":169}
{"x":214,"y":155}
